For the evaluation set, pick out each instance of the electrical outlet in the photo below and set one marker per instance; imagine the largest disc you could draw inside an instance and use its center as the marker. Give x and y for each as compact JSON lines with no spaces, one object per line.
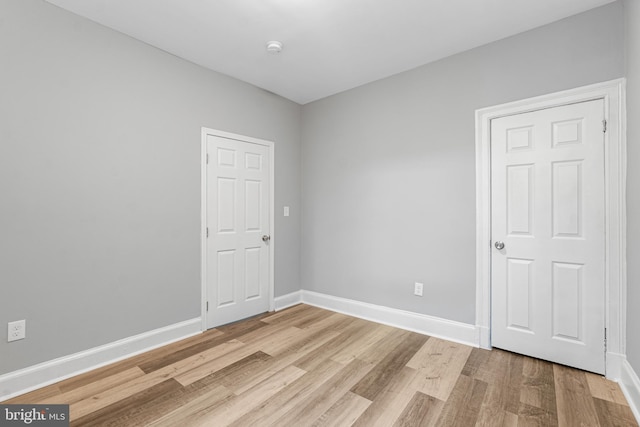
{"x":417,"y":289}
{"x":16,"y":330}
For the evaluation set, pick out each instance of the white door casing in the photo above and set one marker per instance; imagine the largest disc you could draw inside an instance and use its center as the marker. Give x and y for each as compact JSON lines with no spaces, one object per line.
{"x":612,"y":94}
{"x":237,"y":244}
{"x":547,"y":193}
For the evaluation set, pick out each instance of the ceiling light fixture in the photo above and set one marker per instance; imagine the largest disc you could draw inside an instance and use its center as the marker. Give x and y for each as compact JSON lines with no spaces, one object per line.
{"x":274,"y":47}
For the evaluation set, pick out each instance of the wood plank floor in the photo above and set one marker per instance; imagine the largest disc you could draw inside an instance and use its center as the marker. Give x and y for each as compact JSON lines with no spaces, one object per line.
{"x":305,"y":366}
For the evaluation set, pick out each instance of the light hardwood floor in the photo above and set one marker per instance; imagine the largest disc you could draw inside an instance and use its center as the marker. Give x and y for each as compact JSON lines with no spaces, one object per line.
{"x":305,"y":366}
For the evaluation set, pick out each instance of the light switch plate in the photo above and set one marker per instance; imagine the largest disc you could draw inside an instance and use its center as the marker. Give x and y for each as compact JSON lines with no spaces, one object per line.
{"x":417,"y":289}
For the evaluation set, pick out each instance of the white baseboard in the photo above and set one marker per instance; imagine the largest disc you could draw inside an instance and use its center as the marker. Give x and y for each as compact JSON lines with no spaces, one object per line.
{"x":630,"y":385}
{"x":288,"y":300}
{"x":434,"y":326}
{"x":28,"y":379}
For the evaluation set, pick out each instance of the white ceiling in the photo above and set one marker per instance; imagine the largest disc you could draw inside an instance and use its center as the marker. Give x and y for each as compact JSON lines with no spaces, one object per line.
{"x":329,"y":45}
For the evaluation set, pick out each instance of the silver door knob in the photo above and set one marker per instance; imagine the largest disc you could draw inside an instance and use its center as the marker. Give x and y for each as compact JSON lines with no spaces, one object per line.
{"x":266,"y":238}
{"x":499,"y":245}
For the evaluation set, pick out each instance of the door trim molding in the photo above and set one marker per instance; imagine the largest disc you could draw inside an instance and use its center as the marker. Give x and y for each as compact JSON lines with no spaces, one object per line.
{"x":203,"y":214}
{"x":613,"y":94}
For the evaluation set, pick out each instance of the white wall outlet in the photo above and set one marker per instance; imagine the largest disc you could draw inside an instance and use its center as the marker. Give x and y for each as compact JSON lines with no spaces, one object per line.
{"x":16,"y":330}
{"x":417,"y":289}
{"x":286,"y":211}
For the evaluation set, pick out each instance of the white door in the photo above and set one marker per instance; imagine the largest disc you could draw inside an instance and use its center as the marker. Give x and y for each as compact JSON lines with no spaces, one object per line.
{"x":238,"y":210}
{"x":547,"y":202}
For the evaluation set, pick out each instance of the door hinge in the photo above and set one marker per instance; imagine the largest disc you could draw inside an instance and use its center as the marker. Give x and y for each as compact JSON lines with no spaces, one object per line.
{"x":207,"y":158}
{"x":207,"y":305}
{"x":605,"y":340}
{"x":207,"y":232}
{"x":604,"y":126}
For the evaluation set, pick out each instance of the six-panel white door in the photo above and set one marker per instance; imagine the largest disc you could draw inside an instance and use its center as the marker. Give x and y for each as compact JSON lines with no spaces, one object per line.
{"x":238,"y":209}
{"x":547,"y":188}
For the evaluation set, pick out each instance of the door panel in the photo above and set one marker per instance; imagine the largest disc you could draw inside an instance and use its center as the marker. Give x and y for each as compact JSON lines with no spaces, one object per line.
{"x":548,"y":208}
{"x":253,"y":211}
{"x":520,"y":199}
{"x":252,"y":273}
{"x":238,"y":200}
{"x":567,"y":297}
{"x":226,"y":204}
{"x":226,"y":277}
{"x":519,"y":287}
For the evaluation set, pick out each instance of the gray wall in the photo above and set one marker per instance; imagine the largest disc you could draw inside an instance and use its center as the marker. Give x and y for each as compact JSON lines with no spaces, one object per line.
{"x":632,"y":17}
{"x":389,"y":168}
{"x":100,"y":180}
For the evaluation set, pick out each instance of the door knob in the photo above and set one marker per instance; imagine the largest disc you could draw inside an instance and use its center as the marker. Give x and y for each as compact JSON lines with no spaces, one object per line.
{"x":266,"y":238}
{"x":499,"y":245}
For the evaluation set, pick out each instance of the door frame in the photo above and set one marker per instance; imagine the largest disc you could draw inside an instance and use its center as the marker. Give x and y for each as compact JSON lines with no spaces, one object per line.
{"x":204,"y":212}
{"x":613,"y":94}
